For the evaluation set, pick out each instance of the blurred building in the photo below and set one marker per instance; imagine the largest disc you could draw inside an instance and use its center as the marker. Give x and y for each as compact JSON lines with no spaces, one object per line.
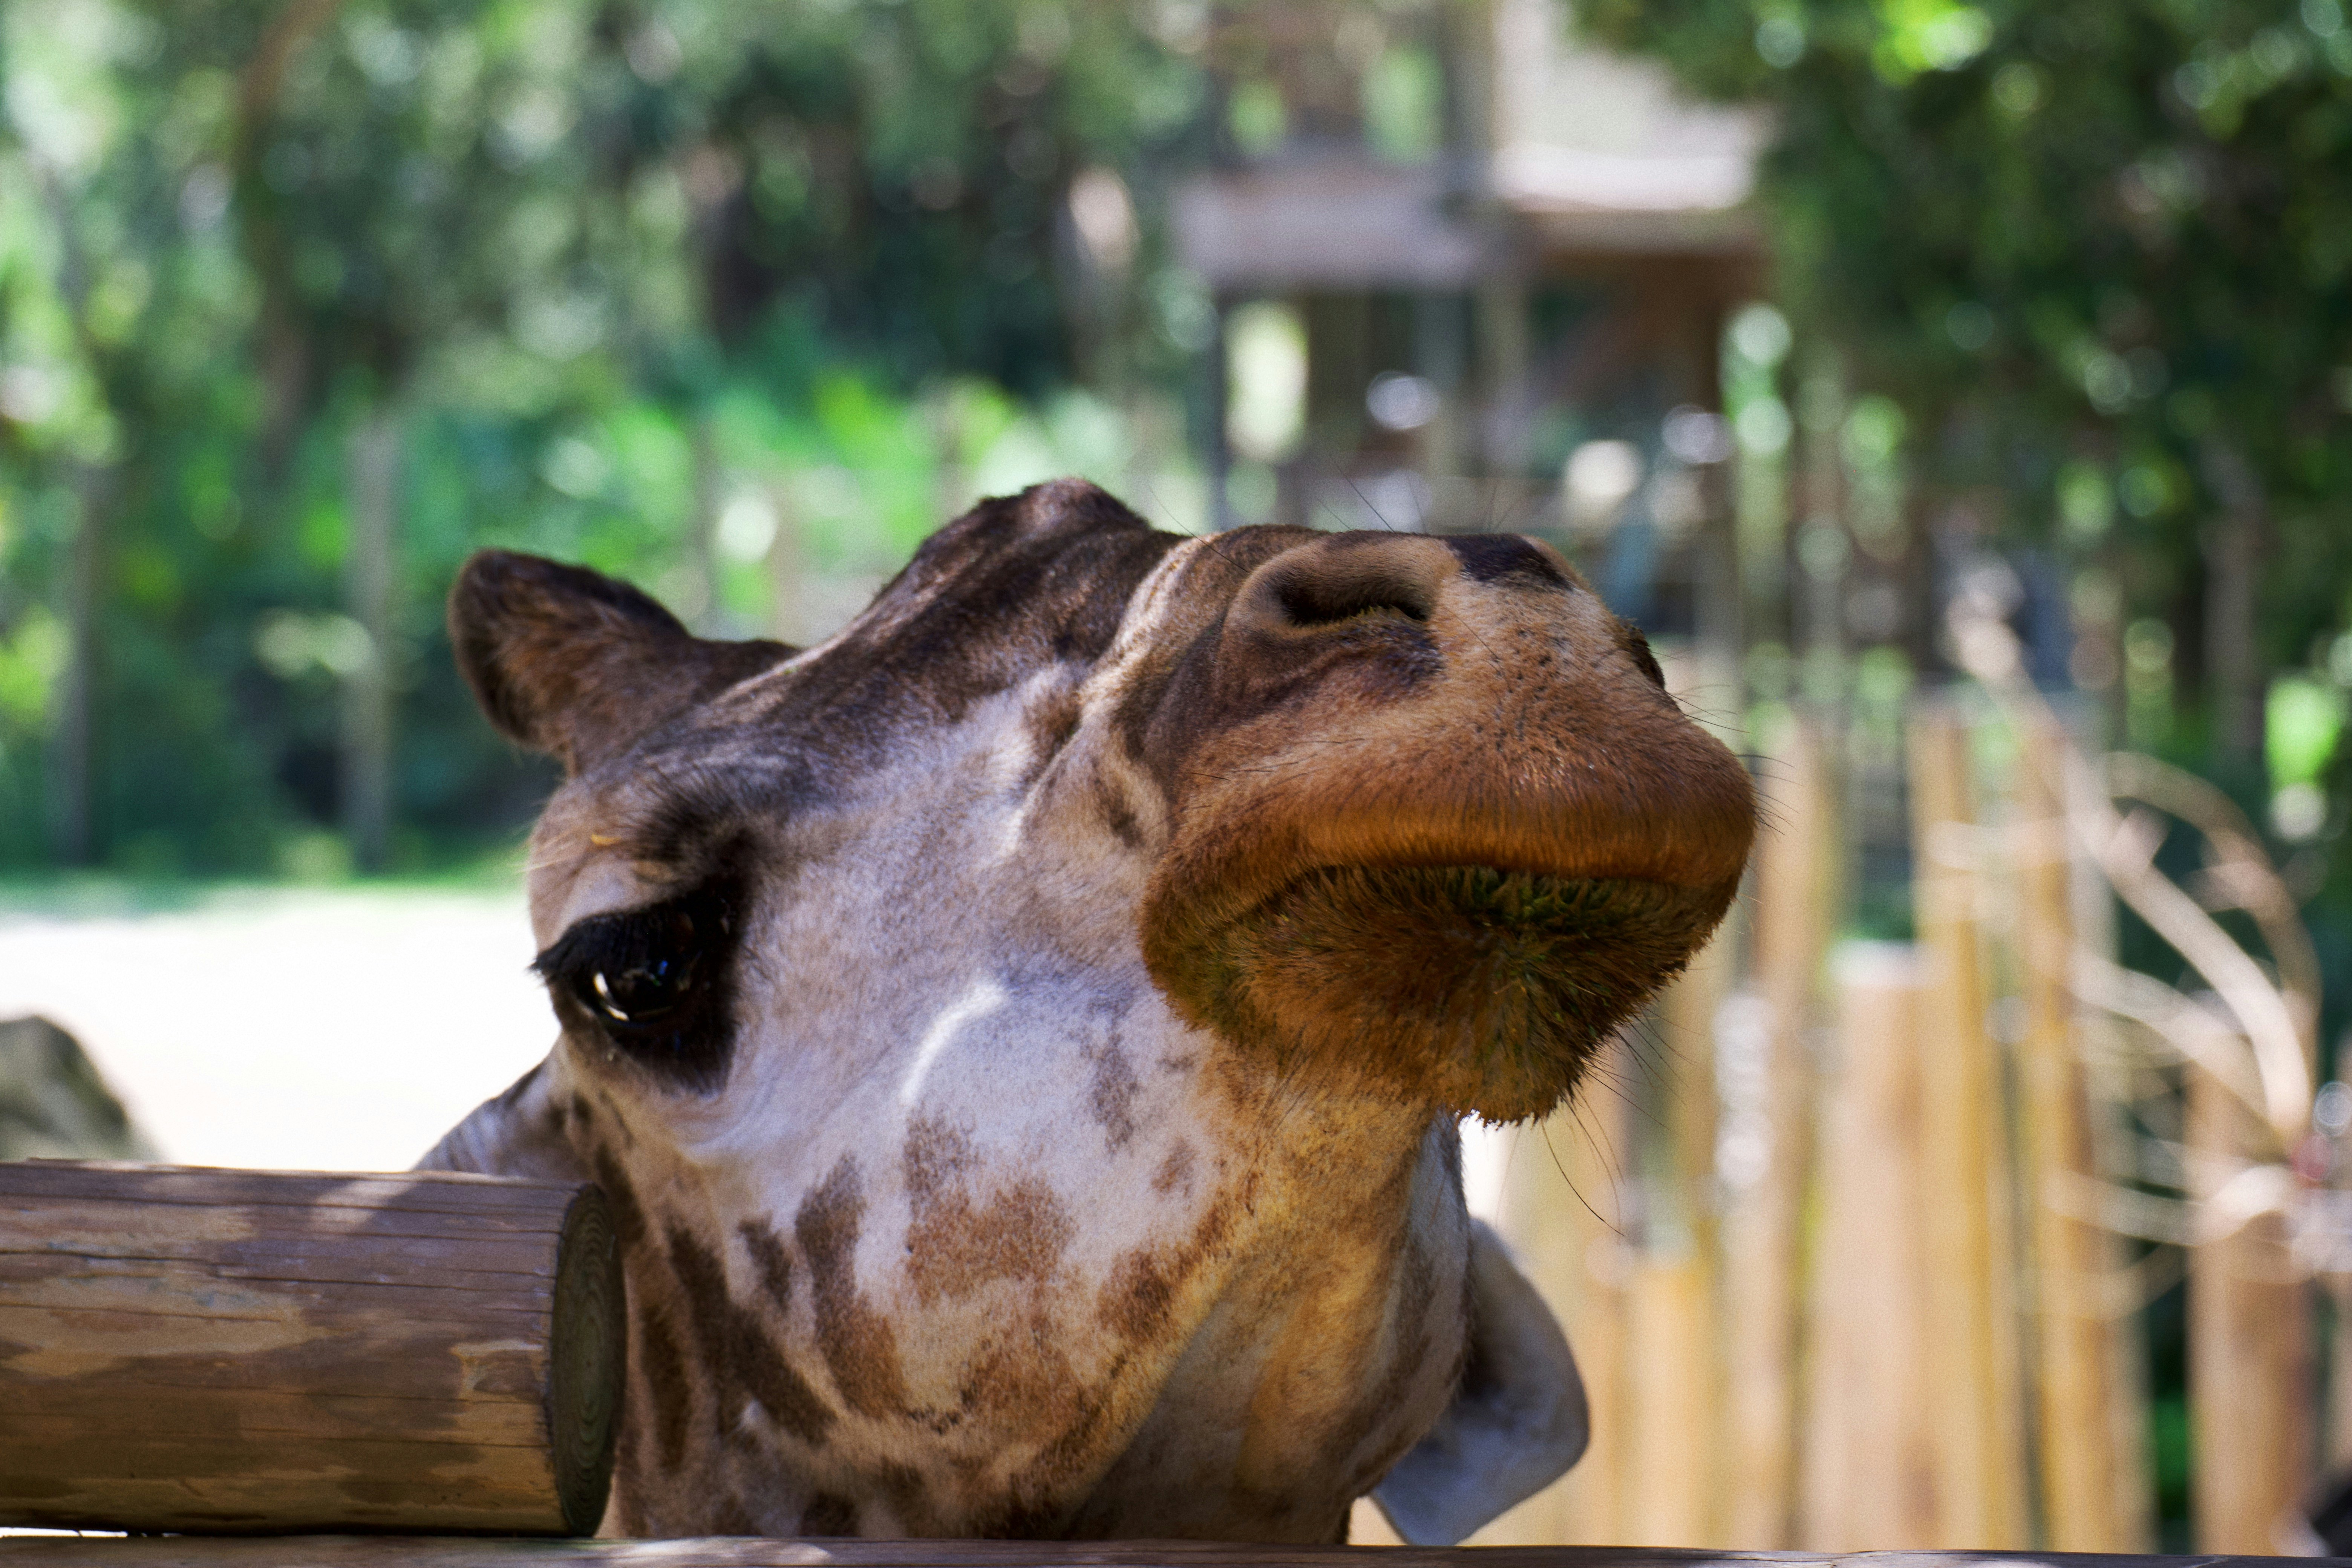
{"x":1471,"y":274}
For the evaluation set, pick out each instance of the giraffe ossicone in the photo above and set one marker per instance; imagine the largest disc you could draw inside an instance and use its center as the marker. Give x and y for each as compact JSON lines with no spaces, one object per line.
{"x":1024,"y":1037}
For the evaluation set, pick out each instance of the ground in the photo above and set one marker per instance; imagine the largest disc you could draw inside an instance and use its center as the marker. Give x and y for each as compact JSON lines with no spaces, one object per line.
{"x":324,"y":1029}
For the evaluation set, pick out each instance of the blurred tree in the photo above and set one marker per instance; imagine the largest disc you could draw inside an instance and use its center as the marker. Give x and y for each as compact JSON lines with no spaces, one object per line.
{"x":2101,"y":253}
{"x":301,"y":300}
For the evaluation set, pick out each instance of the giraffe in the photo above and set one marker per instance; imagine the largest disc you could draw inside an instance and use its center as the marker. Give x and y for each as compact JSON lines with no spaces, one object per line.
{"x":1024,"y":1037}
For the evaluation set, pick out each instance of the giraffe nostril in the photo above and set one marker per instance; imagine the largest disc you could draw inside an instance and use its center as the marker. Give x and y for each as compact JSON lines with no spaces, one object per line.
{"x":1314,"y":588}
{"x":1325,"y":598}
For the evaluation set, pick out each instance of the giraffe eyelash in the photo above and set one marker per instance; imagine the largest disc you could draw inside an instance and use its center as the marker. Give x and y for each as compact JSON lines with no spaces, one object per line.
{"x":653,"y":980}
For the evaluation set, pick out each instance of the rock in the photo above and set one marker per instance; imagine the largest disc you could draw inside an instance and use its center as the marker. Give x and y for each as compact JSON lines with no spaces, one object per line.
{"x":53,"y":1103}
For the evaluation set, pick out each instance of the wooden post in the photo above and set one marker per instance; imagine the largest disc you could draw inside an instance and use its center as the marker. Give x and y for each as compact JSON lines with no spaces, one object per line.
{"x":1562,"y":1210}
{"x":2252,"y":1386}
{"x":1674,"y":1361}
{"x":196,"y":1349}
{"x":1870,"y":1463}
{"x":1769,"y":1146}
{"x":2089,"y":1468}
{"x":1972,"y":1343}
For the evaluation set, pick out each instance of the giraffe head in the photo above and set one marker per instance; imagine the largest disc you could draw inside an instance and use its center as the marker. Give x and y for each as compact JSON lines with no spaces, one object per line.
{"x":1023,"y":1036}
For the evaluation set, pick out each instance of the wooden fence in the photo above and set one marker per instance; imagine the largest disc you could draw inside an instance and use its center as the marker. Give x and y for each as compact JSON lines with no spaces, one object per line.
{"x":1838,"y":1239}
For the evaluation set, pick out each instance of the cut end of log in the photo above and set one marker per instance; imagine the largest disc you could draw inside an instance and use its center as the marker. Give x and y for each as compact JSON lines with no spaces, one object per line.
{"x":589,"y":1341}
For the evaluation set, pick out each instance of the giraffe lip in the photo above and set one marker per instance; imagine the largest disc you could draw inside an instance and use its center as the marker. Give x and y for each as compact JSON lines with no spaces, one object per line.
{"x":1474,"y":986}
{"x":1565,"y":900}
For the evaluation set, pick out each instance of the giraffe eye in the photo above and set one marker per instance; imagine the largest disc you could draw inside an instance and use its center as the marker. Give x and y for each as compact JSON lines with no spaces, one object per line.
{"x":646,"y":977}
{"x":648,"y":990}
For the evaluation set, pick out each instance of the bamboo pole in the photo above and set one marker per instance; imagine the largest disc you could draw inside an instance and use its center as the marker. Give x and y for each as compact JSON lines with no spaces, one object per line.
{"x":2252,"y":1383}
{"x":1770,"y":1147}
{"x":1674,"y":1360}
{"x":2089,"y":1470}
{"x":2107,"y":1085}
{"x":1563,"y":1209}
{"x":1870,"y":1458}
{"x":1670,"y":1376}
{"x":195,"y":1350}
{"x":1973,"y":1341}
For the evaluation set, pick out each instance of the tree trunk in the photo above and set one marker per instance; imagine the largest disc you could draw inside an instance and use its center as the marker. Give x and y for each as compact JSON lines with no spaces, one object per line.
{"x":73,"y":757}
{"x":370,"y":569}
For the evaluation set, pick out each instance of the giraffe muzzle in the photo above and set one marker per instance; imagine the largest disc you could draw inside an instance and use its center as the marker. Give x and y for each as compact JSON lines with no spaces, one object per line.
{"x":1438,"y":822}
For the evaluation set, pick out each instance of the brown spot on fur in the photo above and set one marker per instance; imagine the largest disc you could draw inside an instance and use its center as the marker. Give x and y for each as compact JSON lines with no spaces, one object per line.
{"x":628,"y":1217}
{"x":629,"y":1510}
{"x":729,"y":1516}
{"x":1023,"y":1376}
{"x":1111,"y":1096}
{"x":859,"y":1346}
{"x":1051,"y":723}
{"x":1047,"y":1475}
{"x":667,"y":1390}
{"x":1117,"y":812}
{"x":1138,"y":1295}
{"x":829,"y":1513}
{"x":936,"y":1155}
{"x":1175,"y":1172}
{"x":954,"y":1248}
{"x":743,"y":1361}
{"x":902,"y":1487}
{"x":768,"y":1255}
{"x":1136,"y":1298}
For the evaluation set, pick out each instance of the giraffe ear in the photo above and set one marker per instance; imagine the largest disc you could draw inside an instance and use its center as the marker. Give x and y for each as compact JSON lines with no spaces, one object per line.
{"x":1517,"y":1421}
{"x":571,"y":663}
{"x":518,"y":1133}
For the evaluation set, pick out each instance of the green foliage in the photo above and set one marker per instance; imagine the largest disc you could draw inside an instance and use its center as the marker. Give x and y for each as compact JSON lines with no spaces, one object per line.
{"x":595,"y":258}
{"x":2101,"y":253}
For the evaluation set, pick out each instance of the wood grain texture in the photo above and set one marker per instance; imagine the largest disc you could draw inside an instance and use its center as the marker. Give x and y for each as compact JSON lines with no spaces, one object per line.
{"x":264,"y":1352}
{"x":348,"y":1551}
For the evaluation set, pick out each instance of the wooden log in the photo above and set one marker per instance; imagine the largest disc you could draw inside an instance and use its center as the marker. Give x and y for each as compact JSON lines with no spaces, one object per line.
{"x":1870,"y":1469}
{"x":2253,"y":1385}
{"x":2090,"y":1465}
{"x":262,"y":1351}
{"x":1771,"y":1144}
{"x":752,"y":1551}
{"x":1972,"y":1343}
